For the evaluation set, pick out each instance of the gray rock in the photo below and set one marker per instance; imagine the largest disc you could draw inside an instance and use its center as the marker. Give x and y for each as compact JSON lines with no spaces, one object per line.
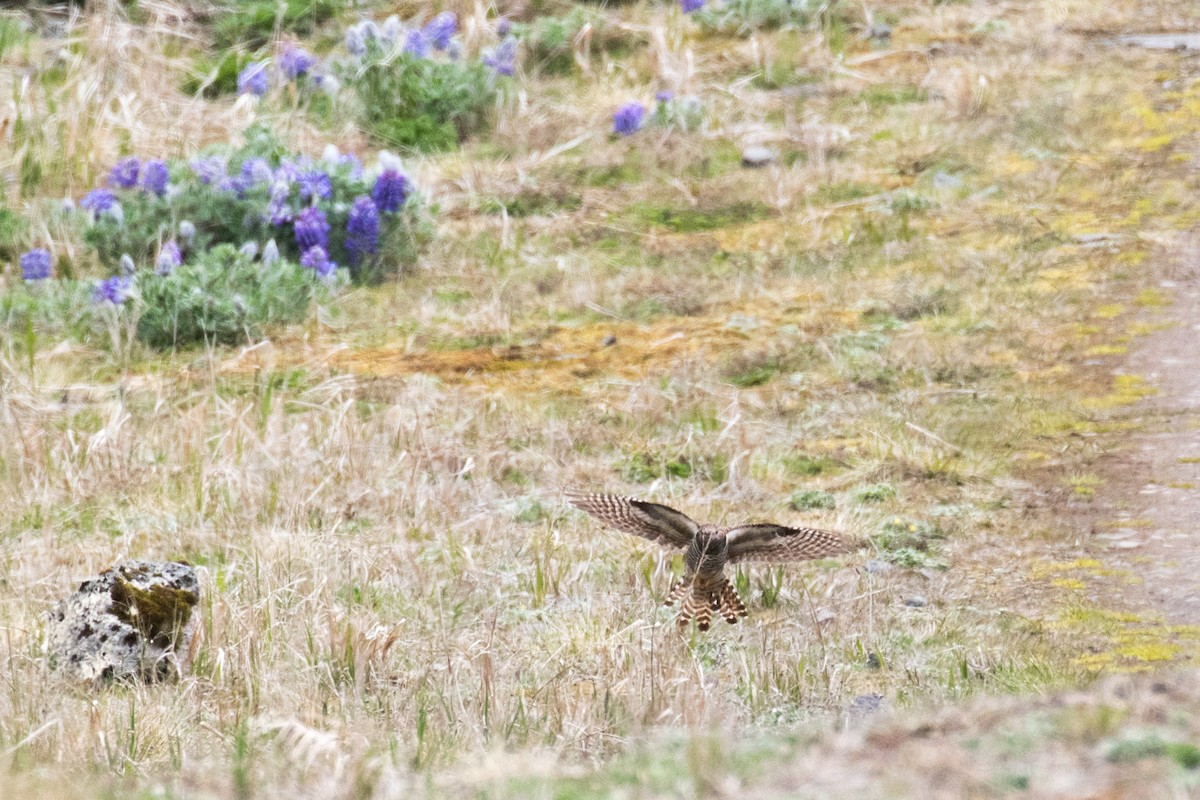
{"x":879,"y":31}
{"x":876,"y":566}
{"x":1163,"y":41}
{"x":916,"y":601}
{"x":757,"y":156}
{"x":864,"y":706}
{"x":946,"y":181}
{"x":133,"y":622}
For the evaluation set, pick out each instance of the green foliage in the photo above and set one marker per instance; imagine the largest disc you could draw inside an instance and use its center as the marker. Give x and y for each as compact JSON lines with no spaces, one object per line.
{"x":679,"y":113}
{"x":802,"y":464}
{"x":873,"y":493}
{"x":812,"y":498}
{"x":30,"y":311}
{"x":419,"y":103}
{"x":1137,"y":748}
{"x":910,"y":543}
{"x":743,"y":17}
{"x":224,"y":297}
{"x":11,"y":227}
{"x":550,"y":40}
{"x":253,"y":22}
{"x":693,"y":220}
{"x":214,"y":76}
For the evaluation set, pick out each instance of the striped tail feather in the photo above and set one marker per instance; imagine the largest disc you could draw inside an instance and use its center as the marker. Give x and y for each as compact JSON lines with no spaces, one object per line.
{"x":730,"y":605}
{"x":697,"y":606}
{"x":677,"y":591}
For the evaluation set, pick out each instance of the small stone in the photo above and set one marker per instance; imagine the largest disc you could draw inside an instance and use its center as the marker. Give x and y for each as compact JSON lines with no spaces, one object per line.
{"x":876,"y":566}
{"x":863,"y":706}
{"x":133,"y":622}
{"x":874,"y":661}
{"x":825,"y":615}
{"x":608,"y":341}
{"x":946,"y":181}
{"x":757,"y":156}
{"x":879,"y":31}
{"x":916,"y":601}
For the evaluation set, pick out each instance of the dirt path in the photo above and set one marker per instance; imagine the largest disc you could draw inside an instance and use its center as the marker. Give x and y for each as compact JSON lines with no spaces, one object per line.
{"x":1148,"y":514}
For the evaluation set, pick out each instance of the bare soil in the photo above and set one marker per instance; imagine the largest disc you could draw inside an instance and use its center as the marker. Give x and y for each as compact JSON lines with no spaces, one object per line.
{"x":1145,"y":517}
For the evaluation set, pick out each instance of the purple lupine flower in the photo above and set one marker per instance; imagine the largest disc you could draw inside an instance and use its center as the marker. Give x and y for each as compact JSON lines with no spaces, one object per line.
{"x":390,"y":190}
{"x":440,"y":29}
{"x":209,"y":169}
{"x":628,"y":119}
{"x":416,"y":44}
{"x":312,"y":229}
{"x":503,"y":26}
{"x":296,"y":62}
{"x":169,"y":257}
{"x":35,"y":265}
{"x":256,"y":171}
{"x":125,"y":174}
{"x":253,"y":79}
{"x":114,"y":290}
{"x":664,"y":96}
{"x":316,"y":259}
{"x":689,"y":6}
{"x":362,"y":229}
{"x":279,"y":209}
{"x":315,"y":184}
{"x":98,"y":200}
{"x":502,"y":58}
{"x":155,"y":176}
{"x":356,"y":43}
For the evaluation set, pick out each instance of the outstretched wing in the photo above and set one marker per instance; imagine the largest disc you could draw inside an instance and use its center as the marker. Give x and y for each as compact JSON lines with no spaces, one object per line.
{"x":655,"y":522}
{"x":775,"y":543}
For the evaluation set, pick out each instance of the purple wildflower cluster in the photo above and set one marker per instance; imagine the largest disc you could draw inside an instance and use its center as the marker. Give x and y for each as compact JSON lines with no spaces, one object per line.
{"x":627,"y":120}
{"x":253,"y":79}
{"x":169,"y":257}
{"x":332,"y":209}
{"x":362,"y":229}
{"x":436,"y":35}
{"x":312,"y":229}
{"x":113,"y":291}
{"x":36,"y":264}
{"x":296,"y":62}
{"x":689,"y":6}
{"x":390,"y":191}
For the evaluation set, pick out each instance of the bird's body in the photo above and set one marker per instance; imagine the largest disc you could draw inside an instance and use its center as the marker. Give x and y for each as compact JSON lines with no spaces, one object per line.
{"x":704,"y":589}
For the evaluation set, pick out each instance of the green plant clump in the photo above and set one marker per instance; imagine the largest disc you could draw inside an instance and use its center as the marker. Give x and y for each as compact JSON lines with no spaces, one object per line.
{"x":224,"y":297}
{"x":743,"y":17}
{"x":427,"y":104}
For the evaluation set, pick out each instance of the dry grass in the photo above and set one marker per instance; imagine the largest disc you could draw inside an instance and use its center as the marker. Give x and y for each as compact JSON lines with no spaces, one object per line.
{"x":396,"y":601}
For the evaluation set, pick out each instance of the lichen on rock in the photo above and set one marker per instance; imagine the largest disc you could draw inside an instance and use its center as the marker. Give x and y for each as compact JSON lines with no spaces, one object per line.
{"x":133,"y":622}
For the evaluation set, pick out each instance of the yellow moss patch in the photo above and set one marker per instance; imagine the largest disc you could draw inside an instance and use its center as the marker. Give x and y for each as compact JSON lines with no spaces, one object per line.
{"x":1151,"y":298}
{"x":1107,"y":350}
{"x":1068,"y":583}
{"x":1127,"y":390}
{"x":1148,"y":651}
{"x":1108,"y":311}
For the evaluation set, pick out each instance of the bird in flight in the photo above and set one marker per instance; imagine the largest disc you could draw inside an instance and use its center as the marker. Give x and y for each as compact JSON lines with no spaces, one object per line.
{"x":704,"y":589}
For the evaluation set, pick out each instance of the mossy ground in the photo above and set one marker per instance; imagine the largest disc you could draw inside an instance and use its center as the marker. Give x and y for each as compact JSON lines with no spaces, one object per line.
{"x":917,"y":311}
